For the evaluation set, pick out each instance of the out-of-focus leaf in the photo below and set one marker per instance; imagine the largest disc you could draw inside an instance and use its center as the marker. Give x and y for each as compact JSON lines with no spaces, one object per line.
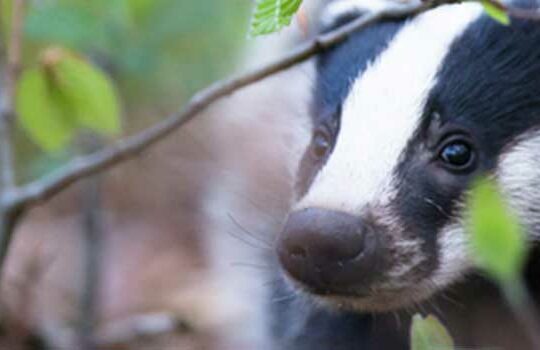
{"x":146,"y":44}
{"x":272,"y":15}
{"x":62,"y":95}
{"x":429,"y":334}
{"x":497,"y":238}
{"x":41,"y":113}
{"x":497,"y":13}
{"x":90,"y":94}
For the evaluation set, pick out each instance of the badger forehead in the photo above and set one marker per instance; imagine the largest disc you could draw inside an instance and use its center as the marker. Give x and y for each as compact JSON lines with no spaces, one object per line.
{"x":382,"y":83}
{"x":383,"y":106}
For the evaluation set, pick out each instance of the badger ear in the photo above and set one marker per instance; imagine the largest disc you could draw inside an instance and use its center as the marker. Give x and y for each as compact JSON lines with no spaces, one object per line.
{"x":339,"y":12}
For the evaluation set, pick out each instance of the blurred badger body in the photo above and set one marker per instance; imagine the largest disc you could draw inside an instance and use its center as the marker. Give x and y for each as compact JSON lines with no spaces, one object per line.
{"x":405,"y":114}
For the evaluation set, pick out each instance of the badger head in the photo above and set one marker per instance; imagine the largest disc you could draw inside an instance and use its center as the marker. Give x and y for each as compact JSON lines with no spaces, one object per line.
{"x":406,"y":113}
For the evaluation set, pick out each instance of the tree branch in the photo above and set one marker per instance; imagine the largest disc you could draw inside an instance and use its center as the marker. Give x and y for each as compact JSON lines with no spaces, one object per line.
{"x":93,"y":234}
{"x":7,"y":97}
{"x":81,"y":167}
{"x":8,"y":213}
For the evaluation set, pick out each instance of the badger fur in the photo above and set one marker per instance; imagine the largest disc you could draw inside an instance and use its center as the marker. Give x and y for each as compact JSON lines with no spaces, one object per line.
{"x":405,"y":115}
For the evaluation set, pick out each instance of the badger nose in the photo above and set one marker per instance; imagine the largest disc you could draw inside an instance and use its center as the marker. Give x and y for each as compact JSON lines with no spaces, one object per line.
{"x":328,"y":251}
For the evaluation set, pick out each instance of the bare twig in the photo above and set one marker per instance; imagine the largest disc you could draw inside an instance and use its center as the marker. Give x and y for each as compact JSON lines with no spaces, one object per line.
{"x":8,"y":213}
{"x":93,"y":235}
{"x":7,"y":178}
{"x":8,"y":220}
{"x":525,"y":14}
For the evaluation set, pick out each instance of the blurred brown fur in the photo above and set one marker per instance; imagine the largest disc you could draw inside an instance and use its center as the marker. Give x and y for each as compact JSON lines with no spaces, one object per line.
{"x":159,"y":217}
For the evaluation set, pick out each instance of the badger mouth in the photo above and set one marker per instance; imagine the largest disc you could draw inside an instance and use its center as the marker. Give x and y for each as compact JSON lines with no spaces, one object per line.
{"x":376,"y":296}
{"x":377,"y":300}
{"x":340,"y":260}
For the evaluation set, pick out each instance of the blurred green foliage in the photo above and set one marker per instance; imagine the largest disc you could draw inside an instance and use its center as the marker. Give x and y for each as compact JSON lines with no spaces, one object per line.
{"x":496,"y":236}
{"x":428,"y":333}
{"x":158,"y":52}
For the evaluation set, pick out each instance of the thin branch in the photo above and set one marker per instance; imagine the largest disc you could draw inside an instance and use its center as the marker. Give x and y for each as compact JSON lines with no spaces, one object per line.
{"x":7,"y":97}
{"x":8,"y":220}
{"x":81,"y":167}
{"x":7,"y":178}
{"x":93,"y":245}
{"x":8,"y":213}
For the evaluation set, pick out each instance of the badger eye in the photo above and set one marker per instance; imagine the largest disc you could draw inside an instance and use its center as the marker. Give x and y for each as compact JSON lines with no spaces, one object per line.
{"x":320,"y":145}
{"x":457,"y":154}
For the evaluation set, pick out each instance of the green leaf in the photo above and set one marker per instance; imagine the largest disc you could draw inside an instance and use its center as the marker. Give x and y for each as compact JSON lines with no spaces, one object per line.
{"x":496,"y":12}
{"x":41,"y":113}
{"x":497,"y":238}
{"x":429,"y":334}
{"x":63,"y":95}
{"x":90,"y":95}
{"x":272,"y":15}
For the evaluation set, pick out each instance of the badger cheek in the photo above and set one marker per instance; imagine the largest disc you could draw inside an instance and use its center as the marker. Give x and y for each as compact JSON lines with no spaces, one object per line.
{"x":454,"y":258}
{"x":422,"y":270}
{"x":415,"y":270}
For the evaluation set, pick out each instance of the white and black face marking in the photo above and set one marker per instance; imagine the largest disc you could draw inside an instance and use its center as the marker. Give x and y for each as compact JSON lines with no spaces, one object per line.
{"x":406,"y":114}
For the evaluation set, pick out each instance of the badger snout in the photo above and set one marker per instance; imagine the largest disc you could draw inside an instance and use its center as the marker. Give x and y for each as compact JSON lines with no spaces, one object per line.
{"x":330,"y":252}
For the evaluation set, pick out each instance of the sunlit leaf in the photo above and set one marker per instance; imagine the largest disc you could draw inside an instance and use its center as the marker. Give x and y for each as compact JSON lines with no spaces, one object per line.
{"x":497,"y":238}
{"x":90,"y":94}
{"x":62,"y":95}
{"x":41,"y":113}
{"x":495,"y":12}
{"x":429,"y":334}
{"x":272,"y":15}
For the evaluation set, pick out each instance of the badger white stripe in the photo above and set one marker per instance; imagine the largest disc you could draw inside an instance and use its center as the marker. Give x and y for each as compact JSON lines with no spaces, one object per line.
{"x":383,"y":110}
{"x":518,"y":174}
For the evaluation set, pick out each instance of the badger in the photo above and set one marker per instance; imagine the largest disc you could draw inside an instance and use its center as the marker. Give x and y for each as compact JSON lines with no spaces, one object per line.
{"x":405,"y":115}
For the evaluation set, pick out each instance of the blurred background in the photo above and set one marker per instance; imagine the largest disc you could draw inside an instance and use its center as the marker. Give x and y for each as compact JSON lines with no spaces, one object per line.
{"x":163,"y":251}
